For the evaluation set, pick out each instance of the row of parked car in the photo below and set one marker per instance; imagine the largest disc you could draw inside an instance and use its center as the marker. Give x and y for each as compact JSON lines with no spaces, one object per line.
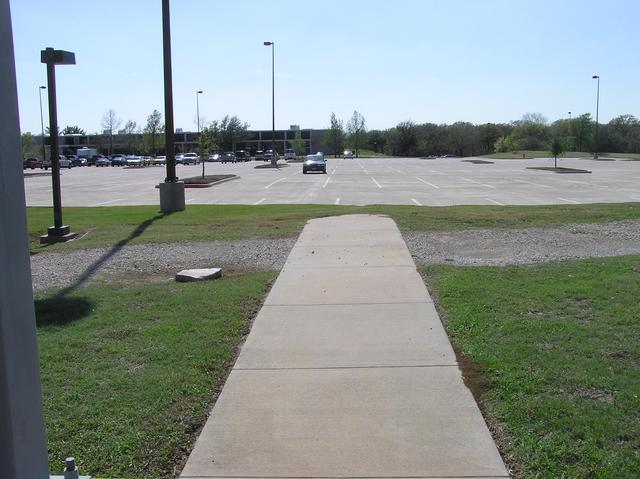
{"x":70,"y":161}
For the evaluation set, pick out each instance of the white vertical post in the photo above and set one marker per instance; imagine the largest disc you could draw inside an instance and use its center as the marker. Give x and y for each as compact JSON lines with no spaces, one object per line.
{"x":23,"y":450}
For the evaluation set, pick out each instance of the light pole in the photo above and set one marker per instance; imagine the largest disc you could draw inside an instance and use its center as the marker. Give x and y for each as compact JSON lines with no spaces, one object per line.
{"x":42,"y":87}
{"x":58,"y":232}
{"x":198,"y":110}
{"x":172,"y":190}
{"x":594,"y":77}
{"x":273,"y":99}
{"x":569,"y":116}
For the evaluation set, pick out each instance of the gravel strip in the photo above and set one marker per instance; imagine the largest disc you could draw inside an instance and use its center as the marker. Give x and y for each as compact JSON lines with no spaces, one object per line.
{"x":499,"y":247}
{"x":58,"y":270}
{"x":476,"y":247}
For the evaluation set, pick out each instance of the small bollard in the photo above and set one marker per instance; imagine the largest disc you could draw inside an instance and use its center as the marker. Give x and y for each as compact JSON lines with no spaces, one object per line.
{"x":70,"y":469}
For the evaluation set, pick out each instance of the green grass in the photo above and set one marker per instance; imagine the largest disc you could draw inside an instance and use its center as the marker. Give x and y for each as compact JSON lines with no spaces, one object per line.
{"x":118,"y":225}
{"x":545,"y":154}
{"x":558,"y":346}
{"x":130,"y":372}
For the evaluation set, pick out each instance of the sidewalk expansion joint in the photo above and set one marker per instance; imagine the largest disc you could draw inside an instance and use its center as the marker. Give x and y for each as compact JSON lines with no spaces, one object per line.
{"x":344,"y":304}
{"x":413,"y":366}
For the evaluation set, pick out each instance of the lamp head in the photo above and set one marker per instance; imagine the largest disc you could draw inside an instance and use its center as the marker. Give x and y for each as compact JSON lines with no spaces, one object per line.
{"x":595,"y":76}
{"x":268,"y":44}
{"x":42,"y":87}
{"x":199,"y":91}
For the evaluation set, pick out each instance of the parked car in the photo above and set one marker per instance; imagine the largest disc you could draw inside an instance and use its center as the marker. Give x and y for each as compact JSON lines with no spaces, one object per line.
{"x":289,"y":154}
{"x":259,"y":155}
{"x":118,"y":160}
{"x":347,"y":154}
{"x":134,"y":161}
{"x":147,"y":160}
{"x":215,"y":157}
{"x":314,"y":163}
{"x":77,"y":161}
{"x":242,"y":155}
{"x":188,"y":159}
{"x":228,"y":157}
{"x":94,"y":160}
{"x":103,"y":161}
{"x":64,"y":162}
{"x":320,"y":154}
{"x":32,"y":163}
{"x":269,"y":154}
{"x":160,"y":160}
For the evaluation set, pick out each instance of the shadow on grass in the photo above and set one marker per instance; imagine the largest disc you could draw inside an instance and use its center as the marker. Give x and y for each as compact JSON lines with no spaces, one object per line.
{"x":60,"y":310}
{"x":93,"y":268}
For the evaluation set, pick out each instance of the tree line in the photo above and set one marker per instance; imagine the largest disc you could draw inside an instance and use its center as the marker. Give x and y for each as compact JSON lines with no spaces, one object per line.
{"x":531,"y":132}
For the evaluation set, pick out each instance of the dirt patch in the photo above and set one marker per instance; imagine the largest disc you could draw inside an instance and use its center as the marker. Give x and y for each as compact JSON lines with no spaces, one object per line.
{"x":206,"y":179}
{"x":594,"y":394}
{"x":559,"y":169}
{"x":479,"y":162}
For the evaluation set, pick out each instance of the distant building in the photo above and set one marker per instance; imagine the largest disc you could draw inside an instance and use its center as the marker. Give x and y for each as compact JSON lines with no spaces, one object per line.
{"x":188,"y":141}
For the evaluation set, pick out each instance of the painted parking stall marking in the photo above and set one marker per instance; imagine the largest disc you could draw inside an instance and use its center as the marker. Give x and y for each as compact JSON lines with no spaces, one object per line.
{"x":273,"y":183}
{"x":427,"y":183}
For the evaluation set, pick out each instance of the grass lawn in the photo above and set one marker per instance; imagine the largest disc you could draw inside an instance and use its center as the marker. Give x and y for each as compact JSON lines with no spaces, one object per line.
{"x":118,"y":225}
{"x":508,"y":155}
{"x":130,"y":372}
{"x":559,"y":357}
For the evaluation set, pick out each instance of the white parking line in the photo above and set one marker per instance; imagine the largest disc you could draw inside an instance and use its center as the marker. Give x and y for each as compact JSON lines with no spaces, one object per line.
{"x":377,"y":184}
{"x":494,"y":202}
{"x":569,"y":201}
{"x":260,"y":201}
{"x":334,"y":170}
{"x":416,"y":202}
{"x":277,"y":181}
{"x":534,"y":184}
{"x":427,"y":183}
{"x":337,"y":201}
{"x":190,"y":200}
{"x":107,"y":202}
{"x":326,"y":182}
{"x":478,"y":183}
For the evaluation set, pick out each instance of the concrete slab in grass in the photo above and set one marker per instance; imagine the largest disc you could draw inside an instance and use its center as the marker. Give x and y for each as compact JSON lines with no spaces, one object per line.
{"x":202,"y":274}
{"x":361,"y":422}
{"x":320,"y":256}
{"x":348,"y":286}
{"x":346,"y":336}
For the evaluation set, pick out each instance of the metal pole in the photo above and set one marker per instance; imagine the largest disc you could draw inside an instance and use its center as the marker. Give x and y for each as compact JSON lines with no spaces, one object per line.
{"x":273,"y":97}
{"x":168,"y":95}
{"x":198,"y":111}
{"x":597,"y":112}
{"x":44,"y":151}
{"x":53,"y":134}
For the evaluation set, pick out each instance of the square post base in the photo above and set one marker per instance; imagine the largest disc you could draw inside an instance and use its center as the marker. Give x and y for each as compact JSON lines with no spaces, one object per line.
{"x":57,"y":235}
{"x":172,"y":196}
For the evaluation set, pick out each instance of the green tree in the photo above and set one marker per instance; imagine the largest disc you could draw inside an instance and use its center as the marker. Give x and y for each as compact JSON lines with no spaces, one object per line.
{"x":376,"y":140}
{"x":556,"y":148}
{"x":582,"y":132}
{"x":231,"y":131}
{"x":208,"y":142}
{"x":152,"y":134}
{"x":403,"y":139}
{"x":531,"y":132}
{"x":357,"y":131}
{"x":334,"y":136}
{"x":504,"y":144}
{"x":29,"y":147}
{"x":73,"y":130}
{"x":297,"y":144}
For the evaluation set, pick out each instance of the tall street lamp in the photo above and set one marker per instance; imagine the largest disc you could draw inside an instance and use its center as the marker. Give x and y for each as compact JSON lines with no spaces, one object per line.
{"x":42,"y":87}
{"x":58,"y":232}
{"x":198,"y":110}
{"x":273,"y":99}
{"x":171,"y":190}
{"x":597,"y":77}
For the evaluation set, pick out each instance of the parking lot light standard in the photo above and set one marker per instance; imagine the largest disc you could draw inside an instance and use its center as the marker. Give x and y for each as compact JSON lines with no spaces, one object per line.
{"x":44,"y":151}
{"x":594,"y":77}
{"x":198,"y":111}
{"x":58,"y":232}
{"x":273,"y":98}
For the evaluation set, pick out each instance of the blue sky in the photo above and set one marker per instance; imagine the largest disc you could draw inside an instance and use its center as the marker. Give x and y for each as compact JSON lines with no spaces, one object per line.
{"x":421,"y":60}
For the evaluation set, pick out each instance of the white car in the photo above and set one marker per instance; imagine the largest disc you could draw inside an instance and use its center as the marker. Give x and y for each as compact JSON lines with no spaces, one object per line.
{"x":289,"y":154}
{"x":188,"y":159}
{"x":160,"y":160}
{"x":134,"y":161}
{"x":347,"y":154}
{"x":64,"y":162}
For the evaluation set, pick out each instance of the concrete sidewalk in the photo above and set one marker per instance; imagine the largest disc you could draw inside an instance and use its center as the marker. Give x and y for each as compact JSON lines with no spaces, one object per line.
{"x":347,"y":372}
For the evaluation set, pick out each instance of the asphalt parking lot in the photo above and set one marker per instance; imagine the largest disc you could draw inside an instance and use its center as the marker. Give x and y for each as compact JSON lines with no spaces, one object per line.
{"x":363,"y":181}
